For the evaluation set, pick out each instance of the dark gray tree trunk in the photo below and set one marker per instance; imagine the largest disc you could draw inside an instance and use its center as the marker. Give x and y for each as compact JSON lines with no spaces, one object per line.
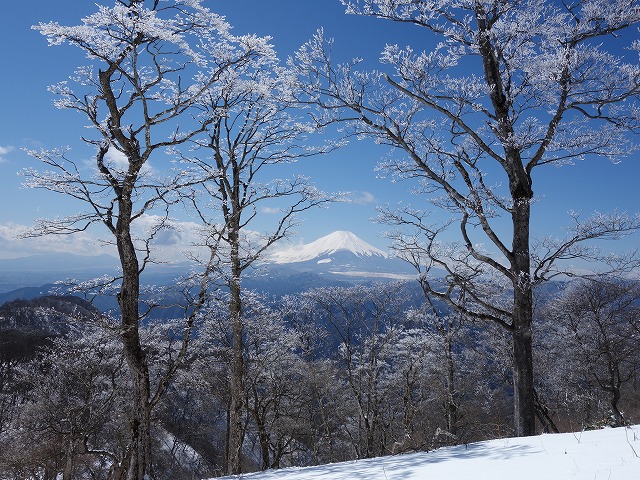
{"x":452,"y":394}
{"x":614,"y":390}
{"x":237,"y":390}
{"x":617,"y":414}
{"x":522,"y":338}
{"x":259,"y":415}
{"x":520,"y":258}
{"x":139,"y":456}
{"x":70,"y":454}
{"x":137,"y":464}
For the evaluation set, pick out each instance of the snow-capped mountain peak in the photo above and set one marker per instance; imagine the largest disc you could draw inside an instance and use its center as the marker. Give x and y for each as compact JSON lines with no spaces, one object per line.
{"x":321,"y":249}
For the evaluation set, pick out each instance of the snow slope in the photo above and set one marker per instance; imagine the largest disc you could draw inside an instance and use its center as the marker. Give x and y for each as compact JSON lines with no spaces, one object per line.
{"x":609,"y":454}
{"x":340,"y":241}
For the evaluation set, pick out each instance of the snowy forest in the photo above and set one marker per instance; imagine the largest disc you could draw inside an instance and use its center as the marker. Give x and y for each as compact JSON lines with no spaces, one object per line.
{"x":331,"y":374}
{"x":503,"y":332}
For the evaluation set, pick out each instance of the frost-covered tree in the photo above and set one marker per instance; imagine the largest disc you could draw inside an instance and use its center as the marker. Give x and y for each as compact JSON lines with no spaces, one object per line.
{"x":67,"y":423}
{"x":251,"y":131}
{"x":365,"y":322}
{"x":275,"y":383}
{"x":595,"y":345}
{"x":327,"y":392}
{"x":505,"y":88}
{"x":274,"y":416}
{"x":149,"y":63}
{"x":443,"y":331}
{"x":72,"y":420}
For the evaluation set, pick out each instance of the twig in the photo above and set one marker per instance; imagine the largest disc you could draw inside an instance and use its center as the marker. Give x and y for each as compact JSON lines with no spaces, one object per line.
{"x":626,"y":434}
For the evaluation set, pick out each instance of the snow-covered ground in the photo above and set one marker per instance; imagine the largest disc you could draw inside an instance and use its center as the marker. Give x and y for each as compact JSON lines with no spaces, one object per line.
{"x":609,"y":454}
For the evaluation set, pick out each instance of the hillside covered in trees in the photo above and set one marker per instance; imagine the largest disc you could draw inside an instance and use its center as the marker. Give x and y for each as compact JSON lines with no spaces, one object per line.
{"x":331,"y":374}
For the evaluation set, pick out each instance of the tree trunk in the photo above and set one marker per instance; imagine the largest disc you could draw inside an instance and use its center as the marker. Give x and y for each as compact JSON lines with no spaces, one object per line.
{"x":139,"y":455}
{"x":615,"y":394}
{"x":70,"y":457}
{"x":236,"y":433}
{"x":452,"y":406}
{"x":521,"y":195}
{"x":137,"y":462}
{"x":544,"y":416}
{"x":617,"y":414}
{"x":523,"y":392}
{"x":524,"y":411}
{"x":263,"y":438}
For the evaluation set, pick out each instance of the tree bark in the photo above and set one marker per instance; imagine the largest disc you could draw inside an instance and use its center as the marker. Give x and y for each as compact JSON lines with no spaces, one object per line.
{"x":237,"y":390}
{"x":70,"y":457}
{"x":522,"y":338}
{"x":452,"y":394}
{"x":139,"y":456}
{"x":263,"y":435}
{"x":137,"y":463}
{"x":521,"y":195}
{"x":614,"y":379}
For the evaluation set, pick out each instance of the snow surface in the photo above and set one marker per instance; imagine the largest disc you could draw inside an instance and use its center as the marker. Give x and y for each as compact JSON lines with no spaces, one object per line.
{"x":325,"y":246}
{"x":612,"y":454}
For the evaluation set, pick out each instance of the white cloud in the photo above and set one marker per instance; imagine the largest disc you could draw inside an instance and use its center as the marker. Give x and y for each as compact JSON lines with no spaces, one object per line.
{"x":177,"y":241}
{"x":3,"y":152}
{"x":13,"y":245}
{"x":169,"y":244}
{"x":360,"y":198}
{"x":118,"y":162}
{"x":270,"y":210}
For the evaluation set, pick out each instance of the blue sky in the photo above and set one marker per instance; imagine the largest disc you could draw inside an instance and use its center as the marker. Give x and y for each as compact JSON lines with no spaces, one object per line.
{"x":28,"y":119}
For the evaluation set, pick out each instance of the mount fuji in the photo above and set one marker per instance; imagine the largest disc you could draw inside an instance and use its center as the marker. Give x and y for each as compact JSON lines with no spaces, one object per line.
{"x":344,"y":254}
{"x":322,"y":249}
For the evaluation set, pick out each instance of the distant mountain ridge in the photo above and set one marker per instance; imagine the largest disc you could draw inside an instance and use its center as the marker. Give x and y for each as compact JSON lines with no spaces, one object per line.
{"x":59,"y":262}
{"x":340,"y":258}
{"x":36,"y":270}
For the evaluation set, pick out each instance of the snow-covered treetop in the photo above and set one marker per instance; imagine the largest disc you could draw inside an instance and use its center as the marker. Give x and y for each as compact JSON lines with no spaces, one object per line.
{"x":569,"y":93}
{"x":160,"y":57}
{"x":108,"y":33}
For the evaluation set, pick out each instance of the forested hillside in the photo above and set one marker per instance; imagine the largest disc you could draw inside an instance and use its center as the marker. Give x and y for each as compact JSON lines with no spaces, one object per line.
{"x":331,"y":374}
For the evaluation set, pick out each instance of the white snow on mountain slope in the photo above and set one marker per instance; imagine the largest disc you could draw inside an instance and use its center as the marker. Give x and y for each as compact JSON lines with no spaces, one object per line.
{"x":612,"y":454}
{"x":340,"y":241}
